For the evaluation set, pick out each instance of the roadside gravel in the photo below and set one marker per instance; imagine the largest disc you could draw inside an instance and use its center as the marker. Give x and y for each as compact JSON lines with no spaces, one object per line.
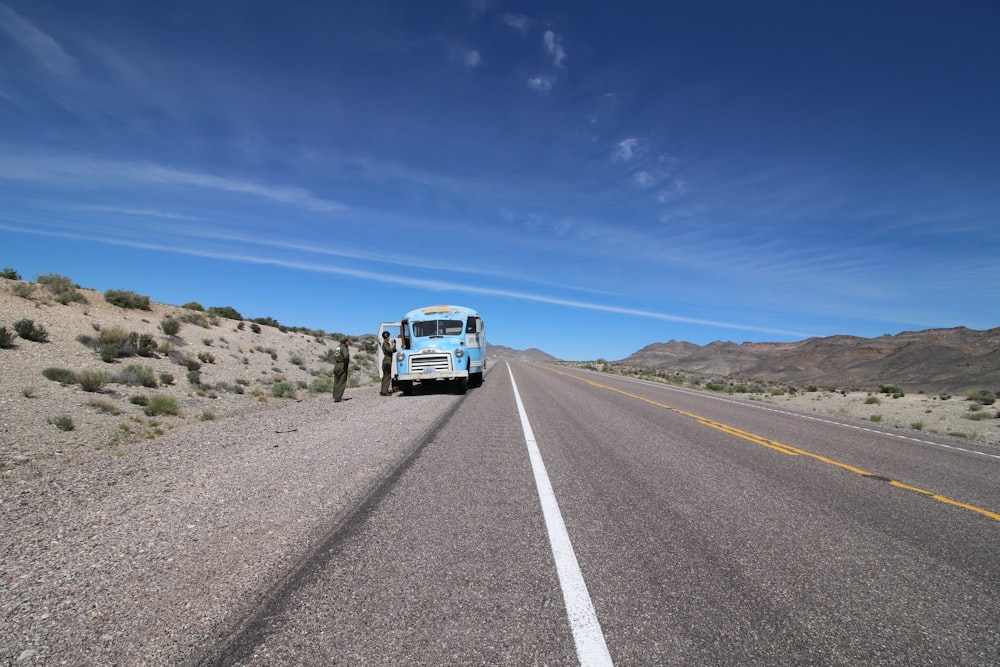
{"x":144,"y":558}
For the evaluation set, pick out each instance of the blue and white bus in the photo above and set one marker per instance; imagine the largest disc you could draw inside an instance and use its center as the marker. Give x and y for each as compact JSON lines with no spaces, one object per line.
{"x":438,"y":344}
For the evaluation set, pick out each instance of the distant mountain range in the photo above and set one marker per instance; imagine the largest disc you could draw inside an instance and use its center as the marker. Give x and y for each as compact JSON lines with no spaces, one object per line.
{"x":934,"y":360}
{"x":531,"y":354}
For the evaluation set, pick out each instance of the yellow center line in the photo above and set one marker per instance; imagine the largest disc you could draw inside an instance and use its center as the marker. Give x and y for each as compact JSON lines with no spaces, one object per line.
{"x":783,"y":448}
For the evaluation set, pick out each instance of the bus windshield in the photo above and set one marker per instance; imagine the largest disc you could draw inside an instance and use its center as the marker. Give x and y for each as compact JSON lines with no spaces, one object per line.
{"x":437,"y":328}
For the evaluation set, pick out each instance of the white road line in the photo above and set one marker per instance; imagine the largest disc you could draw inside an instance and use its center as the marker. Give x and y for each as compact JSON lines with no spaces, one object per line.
{"x":591,"y":648}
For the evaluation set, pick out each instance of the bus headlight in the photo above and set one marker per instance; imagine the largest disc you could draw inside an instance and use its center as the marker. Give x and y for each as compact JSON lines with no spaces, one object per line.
{"x":459,"y":353}
{"x":400,"y":356}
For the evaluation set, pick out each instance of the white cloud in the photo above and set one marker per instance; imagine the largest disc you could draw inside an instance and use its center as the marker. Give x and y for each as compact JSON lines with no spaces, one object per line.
{"x":644,"y":179}
{"x":553,"y":46}
{"x":518,"y":22}
{"x":625,"y":150}
{"x":540,"y":84}
{"x":472,"y":59}
{"x":41,"y":46}
{"x":100,"y":173}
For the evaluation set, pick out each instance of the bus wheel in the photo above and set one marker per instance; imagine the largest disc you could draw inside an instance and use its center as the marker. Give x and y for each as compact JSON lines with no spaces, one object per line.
{"x":476,"y":380}
{"x":407,"y":387}
{"x":461,"y":385}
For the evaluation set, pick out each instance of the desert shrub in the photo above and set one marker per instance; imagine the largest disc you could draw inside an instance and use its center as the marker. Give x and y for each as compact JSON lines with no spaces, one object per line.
{"x":61,"y":375}
{"x":206,"y":357}
{"x":63,"y":422}
{"x":139,"y":399}
{"x":891,"y":389}
{"x":267,"y":321}
{"x":162,"y":405}
{"x":715,"y":386}
{"x":978,"y":415}
{"x":206,"y":416}
{"x":28,"y":330}
{"x":282,"y":390}
{"x":982,"y":397}
{"x":876,"y":418}
{"x":146,"y":345}
{"x":194,"y":377}
{"x":227,"y":312}
{"x":255,"y":328}
{"x":917,"y":426}
{"x":10,"y":274}
{"x":104,"y":405}
{"x":126,"y":299}
{"x":23,"y":290}
{"x":296,"y":360}
{"x":170,"y":326}
{"x":321,"y":385}
{"x":777,"y":391}
{"x":136,"y":375}
{"x":194,"y":305}
{"x":6,"y":338}
{"x":196,"y":318}
{"x":329,"y":356}
{"x":111,"y":343}
{"x":975,"y":407}
{"x":166,"y":379}
{"x":872,"y":400}
{"x":63,"y":289}
{"x":92,"y":380}
{"x":28,"y":392}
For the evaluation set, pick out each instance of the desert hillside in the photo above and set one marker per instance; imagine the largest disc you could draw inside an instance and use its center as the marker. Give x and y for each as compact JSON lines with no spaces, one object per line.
{"x":956,"y":360}
{"x":100,"y":375}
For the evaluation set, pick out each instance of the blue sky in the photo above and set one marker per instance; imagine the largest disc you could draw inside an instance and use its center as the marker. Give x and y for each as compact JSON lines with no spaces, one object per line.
{"x":592,"y":177}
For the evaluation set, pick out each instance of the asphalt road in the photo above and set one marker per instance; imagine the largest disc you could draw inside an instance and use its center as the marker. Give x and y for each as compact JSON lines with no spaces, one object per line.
{"x":704,"y":532}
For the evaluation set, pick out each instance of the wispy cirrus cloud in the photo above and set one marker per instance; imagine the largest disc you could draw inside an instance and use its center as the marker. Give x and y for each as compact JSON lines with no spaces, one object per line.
{"x":41,"y":46}
{"x":94,"y":172}
{"x":518,"y":22}
{"x":554,"y":47}
{"x":406,"y":280}
{"x":625,"y":150}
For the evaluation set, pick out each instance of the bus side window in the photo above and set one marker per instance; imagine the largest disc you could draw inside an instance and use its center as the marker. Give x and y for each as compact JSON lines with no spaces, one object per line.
{"x":473,"y":325}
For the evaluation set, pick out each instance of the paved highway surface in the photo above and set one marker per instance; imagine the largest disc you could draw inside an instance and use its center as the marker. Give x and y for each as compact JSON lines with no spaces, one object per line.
{"x":676,"y":527}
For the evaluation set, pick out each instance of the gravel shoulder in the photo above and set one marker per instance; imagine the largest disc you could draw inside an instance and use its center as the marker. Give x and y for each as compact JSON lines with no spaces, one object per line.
{"x":133,"y":539}
{"x":141,"y":559}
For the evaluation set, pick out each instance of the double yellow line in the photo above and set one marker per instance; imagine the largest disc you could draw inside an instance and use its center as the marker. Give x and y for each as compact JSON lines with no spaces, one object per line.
{"x":787,"y":449}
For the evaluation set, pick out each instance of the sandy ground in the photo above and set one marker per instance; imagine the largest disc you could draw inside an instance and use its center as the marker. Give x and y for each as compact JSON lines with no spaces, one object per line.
{"x":941,"y":414}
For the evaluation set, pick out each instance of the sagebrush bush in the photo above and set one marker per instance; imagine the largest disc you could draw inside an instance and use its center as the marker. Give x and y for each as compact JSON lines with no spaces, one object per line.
{"x":61,"y":375}
{"x":126,"y":299}
{"x":227,"y":312}
{"x":104,"y":405}
{"x":162,"y":405}
{"x":194,"y":305}
{"x":135,"y":375}
{"x":63,"y":289}
{"x":6,"y":338}
{"x":63,"y":422}
{"x":170,"y":326}
{"x":28,"y":330}
{"x":10,"y":274}
{"x":92,"y":380}
{"x":282,"y":390}
{"x":982,"y":397}
{"x":23,"y":290}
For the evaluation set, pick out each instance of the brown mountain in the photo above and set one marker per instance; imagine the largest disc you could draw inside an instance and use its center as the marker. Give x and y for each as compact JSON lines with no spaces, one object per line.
{"x":935,"y":360}
{"x":531,"y":354}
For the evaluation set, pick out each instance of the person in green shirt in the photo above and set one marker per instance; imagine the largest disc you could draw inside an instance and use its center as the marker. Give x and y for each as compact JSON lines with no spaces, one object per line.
{"x":388,"y":350}
{"x":342,"y":360}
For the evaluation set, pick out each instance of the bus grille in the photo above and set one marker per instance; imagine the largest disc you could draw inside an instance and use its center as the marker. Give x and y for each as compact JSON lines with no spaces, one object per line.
{"x":425,"y":363}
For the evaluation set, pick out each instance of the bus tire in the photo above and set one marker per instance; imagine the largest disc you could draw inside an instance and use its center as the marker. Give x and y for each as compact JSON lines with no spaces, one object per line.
{"x":406,"y":386}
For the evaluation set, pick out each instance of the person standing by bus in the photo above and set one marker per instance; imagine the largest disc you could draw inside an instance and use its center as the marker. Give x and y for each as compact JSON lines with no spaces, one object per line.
{"x":343,"y":358}
{"x":388,"y":351}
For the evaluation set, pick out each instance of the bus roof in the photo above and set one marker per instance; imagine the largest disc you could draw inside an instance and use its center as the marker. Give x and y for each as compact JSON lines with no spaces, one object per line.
{"x":440,"y":313}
